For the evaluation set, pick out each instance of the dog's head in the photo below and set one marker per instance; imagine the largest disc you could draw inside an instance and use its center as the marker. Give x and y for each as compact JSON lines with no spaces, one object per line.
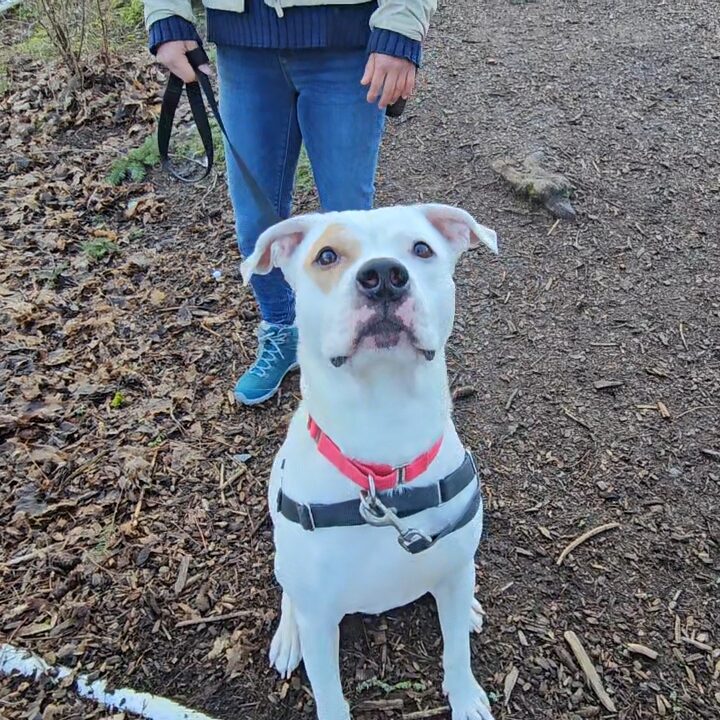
{"x":375,"y":284}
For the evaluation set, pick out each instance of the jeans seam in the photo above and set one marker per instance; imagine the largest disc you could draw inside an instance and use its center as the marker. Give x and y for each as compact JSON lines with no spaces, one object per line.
{"x":288,"y":125}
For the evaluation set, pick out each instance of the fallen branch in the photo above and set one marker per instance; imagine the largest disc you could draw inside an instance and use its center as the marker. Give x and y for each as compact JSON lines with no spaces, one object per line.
{"x":589,"y":670}
{"x":422,"y":714}
{"x":585,"y":536}
{"x":392,"y":704}
{"x":216,"y":618}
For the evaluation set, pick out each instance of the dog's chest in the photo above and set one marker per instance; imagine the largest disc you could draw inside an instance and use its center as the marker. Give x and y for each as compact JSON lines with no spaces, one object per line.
{"x":361,"y":568}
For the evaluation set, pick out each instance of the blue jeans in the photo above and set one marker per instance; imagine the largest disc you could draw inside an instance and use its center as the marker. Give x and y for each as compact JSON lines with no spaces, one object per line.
{"x":273,"y":101}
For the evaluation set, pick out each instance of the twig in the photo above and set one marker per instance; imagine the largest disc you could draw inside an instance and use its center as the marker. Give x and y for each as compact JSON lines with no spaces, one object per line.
{"x":86,"y":465}
{"x":695,"y":409}
{"x":258,"y":524}
{"x":709,"y":452}
{"x":138,"y":507}
{"x":390,"y":704}
{"x":509,"y":402}
{"x":682,"y":337}
{"x":585,"y":536}
{"x":216,"y":618}
{"x":222,"y":484}
{"x":580,"y":422}
{"x":642,"y":650}
{"x":20,"y":559}
{"x":589,"y":669}
{"x":422,"y":714}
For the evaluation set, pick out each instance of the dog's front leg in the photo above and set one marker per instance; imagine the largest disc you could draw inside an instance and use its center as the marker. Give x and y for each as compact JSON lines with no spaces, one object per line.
{"x":455,"y":598}
{"x":320,"y":642}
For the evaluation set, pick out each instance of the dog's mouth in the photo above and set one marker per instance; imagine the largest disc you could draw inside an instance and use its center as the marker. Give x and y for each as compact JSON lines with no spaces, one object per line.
{"x":383,"y":333}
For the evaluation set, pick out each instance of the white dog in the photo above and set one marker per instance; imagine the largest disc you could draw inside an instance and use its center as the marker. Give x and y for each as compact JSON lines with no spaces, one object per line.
{"x":373,"y":497}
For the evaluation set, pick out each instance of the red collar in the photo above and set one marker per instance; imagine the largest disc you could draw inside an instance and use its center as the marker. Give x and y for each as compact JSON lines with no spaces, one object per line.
{"x":385,"y":477}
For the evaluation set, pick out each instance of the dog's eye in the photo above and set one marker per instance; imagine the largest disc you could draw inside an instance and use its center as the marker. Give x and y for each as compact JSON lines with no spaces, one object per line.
{"x":422,"y":250}
{"x":326,"y":257}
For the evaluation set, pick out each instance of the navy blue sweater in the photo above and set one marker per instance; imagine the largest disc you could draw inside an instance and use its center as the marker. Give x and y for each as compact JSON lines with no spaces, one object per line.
{"x":324,"y":26}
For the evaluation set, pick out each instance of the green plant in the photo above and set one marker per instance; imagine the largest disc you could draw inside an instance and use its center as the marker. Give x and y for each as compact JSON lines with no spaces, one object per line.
{"x":96,"y":250}
{"x":130,"y":12}
{"x":136,"y":163}
{"x":304,"y":181}
{"x":118,"y":400}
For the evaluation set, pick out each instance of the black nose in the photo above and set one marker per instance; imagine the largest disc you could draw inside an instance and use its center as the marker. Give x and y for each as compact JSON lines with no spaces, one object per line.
{"x":383,"y":279}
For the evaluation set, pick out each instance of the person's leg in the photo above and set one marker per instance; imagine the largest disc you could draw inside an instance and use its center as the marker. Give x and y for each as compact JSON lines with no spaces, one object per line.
{"x":258,"y":107}
{"x":340,"y":129}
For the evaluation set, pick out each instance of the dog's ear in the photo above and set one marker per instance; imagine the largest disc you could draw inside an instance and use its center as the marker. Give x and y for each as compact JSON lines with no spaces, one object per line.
{"x":276,"y":245}
{"x":459,"y":228}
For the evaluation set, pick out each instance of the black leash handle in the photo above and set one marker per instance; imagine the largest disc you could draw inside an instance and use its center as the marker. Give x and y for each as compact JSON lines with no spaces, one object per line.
{"x":195,"y":91}
{"x":396,"y":109}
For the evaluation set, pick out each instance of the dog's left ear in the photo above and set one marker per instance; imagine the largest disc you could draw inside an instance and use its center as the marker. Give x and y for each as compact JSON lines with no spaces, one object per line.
{"x":276,"y":245}
{"x":459,"y":228}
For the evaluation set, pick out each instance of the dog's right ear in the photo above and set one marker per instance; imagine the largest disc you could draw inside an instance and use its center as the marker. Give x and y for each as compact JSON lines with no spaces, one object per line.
{"x":276,"y":245}
{"x":459,"y":228}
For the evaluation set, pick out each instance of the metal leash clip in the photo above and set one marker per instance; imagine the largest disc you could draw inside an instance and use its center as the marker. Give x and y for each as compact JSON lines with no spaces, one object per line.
{"x":375,"y":512}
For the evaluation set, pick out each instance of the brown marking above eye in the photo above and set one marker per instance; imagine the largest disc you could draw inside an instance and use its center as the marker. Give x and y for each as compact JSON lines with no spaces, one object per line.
{"x":337,"y":239}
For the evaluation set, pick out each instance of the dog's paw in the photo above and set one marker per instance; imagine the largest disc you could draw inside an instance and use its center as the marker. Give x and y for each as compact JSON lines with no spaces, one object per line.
{"x":469,"y":702}
{"x":285,"y":653}
{"x":477,"y":616}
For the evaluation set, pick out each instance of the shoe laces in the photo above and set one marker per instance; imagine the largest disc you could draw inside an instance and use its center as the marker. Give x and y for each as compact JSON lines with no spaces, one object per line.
{"x":270,"y":349}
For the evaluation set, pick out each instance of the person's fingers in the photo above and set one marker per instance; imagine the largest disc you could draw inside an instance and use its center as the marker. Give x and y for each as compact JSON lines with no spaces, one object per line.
{"x":207,"y":69}
{"x":376,"y":84}
{"x":182,"y":68}
{"x":391,"y":91}
{"x":409,"y":84}
{"x":369,"y":69}
{"x":172,"y":56}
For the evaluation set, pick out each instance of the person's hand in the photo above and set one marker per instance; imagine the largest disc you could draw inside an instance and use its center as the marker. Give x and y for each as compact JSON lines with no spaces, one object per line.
{"x":172,"y":55}
{"x":392,"y":76}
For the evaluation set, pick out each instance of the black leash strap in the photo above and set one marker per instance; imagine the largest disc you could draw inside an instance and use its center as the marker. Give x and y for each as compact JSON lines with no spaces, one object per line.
{"x":195,"y":92}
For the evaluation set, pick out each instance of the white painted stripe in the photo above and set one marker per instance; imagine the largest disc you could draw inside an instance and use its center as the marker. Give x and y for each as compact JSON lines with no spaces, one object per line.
{"x":149,"y":706}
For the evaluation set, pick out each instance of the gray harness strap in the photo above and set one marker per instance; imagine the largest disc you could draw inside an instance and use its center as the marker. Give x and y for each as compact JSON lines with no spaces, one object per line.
{"x":388,"y":508}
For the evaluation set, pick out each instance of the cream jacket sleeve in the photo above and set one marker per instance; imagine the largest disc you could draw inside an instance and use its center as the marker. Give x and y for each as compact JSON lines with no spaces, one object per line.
{"x":410,"y":18}
{"x":160,"y":9}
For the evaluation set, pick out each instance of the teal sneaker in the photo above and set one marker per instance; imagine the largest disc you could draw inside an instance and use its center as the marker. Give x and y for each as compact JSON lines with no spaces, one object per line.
{"x":276,"y":357}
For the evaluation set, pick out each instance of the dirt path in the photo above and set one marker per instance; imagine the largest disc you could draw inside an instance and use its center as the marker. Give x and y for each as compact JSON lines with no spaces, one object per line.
{"x":133,"y":492}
